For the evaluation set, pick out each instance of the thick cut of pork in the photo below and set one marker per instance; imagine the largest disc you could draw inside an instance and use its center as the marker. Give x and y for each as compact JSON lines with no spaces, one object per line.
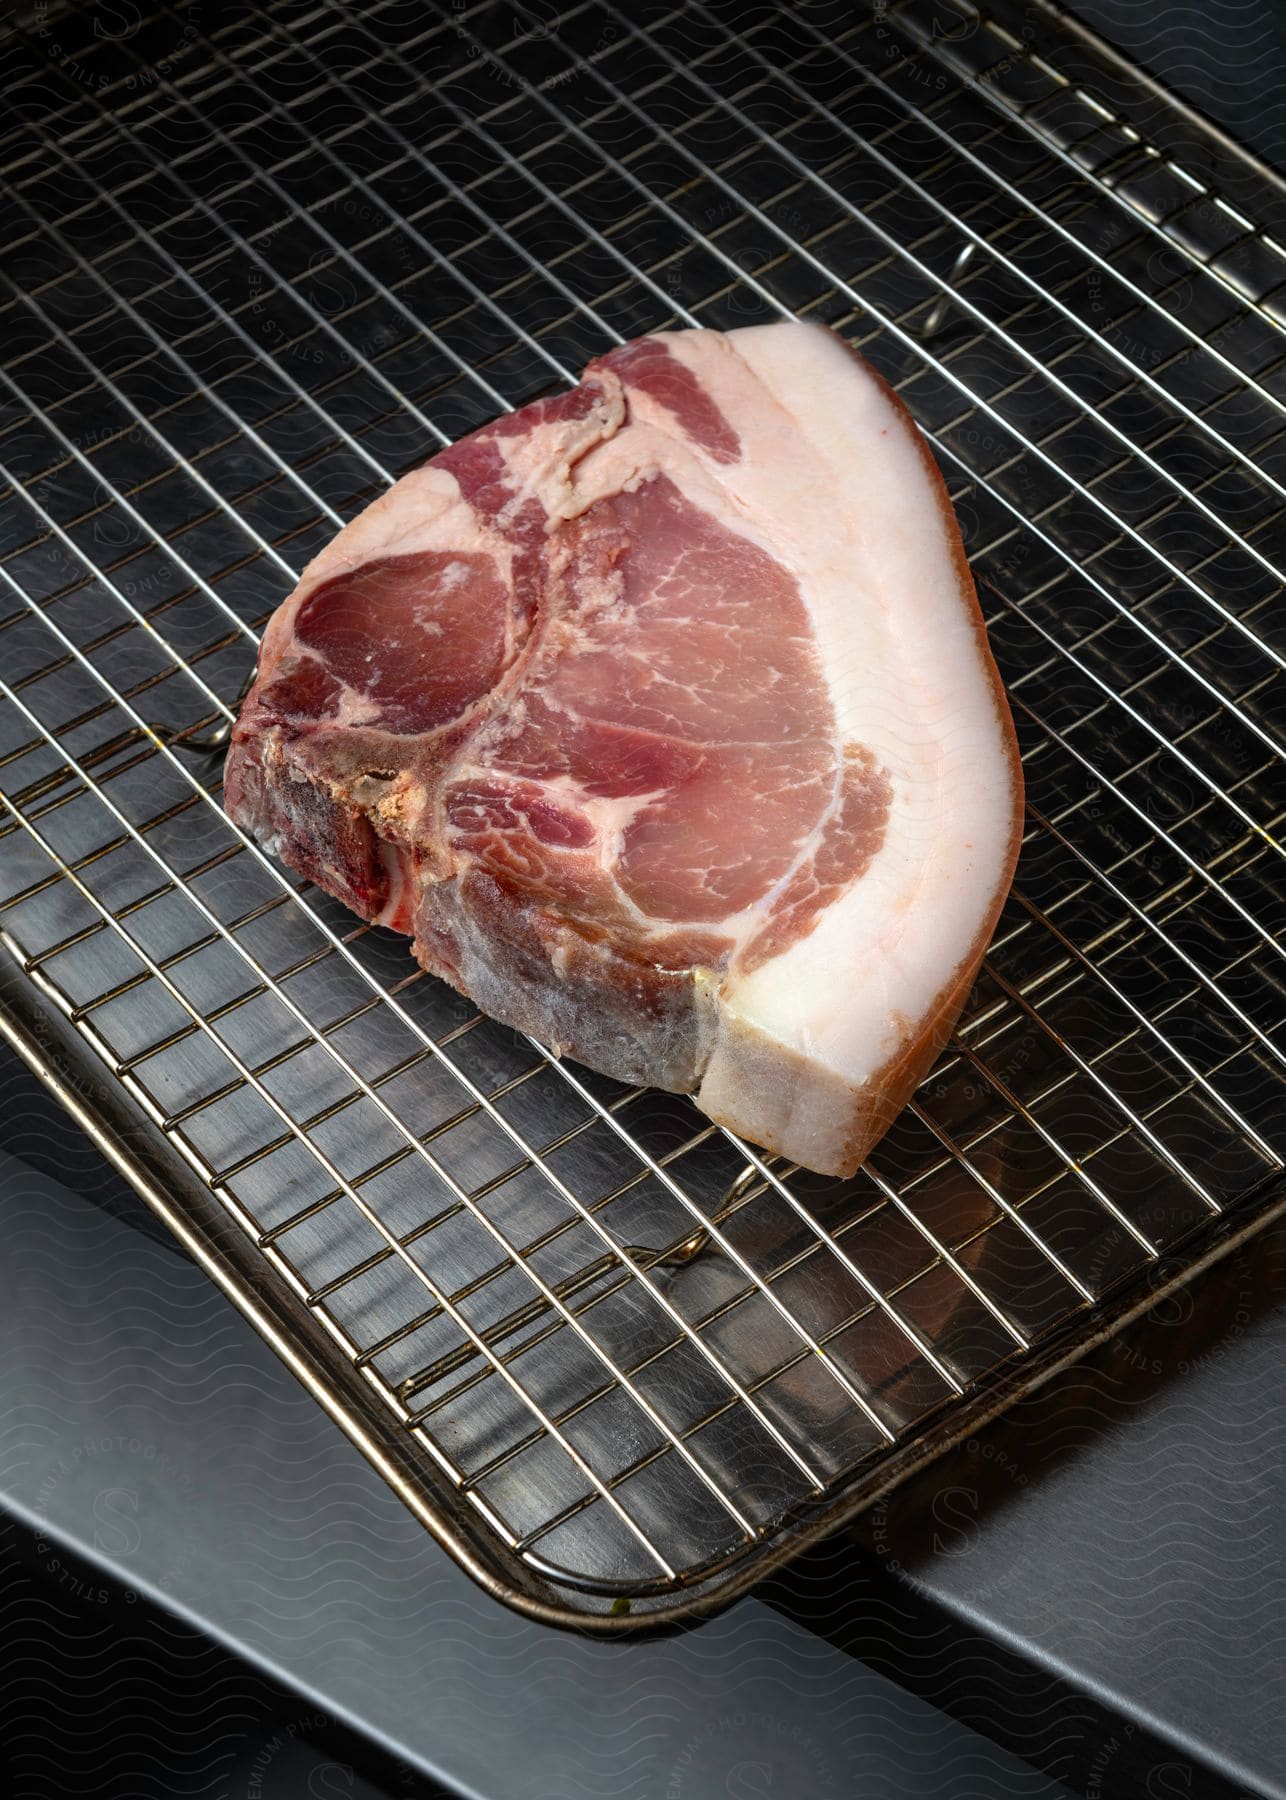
{"x":661,"y":714}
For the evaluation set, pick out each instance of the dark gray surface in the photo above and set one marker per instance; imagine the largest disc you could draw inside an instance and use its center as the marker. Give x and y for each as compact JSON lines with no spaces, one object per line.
{"x":146,"y":1425}
{"x":1225,"y":57}
{"x":1126,"y":1531}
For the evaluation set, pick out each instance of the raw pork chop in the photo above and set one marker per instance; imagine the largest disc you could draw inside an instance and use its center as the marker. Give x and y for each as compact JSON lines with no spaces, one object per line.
{"x":662,"y":715}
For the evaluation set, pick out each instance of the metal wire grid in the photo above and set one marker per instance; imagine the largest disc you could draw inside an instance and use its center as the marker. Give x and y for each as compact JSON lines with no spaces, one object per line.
{"x":257,"y":271}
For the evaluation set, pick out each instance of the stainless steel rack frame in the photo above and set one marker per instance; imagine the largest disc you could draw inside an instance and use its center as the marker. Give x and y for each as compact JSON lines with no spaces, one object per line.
{"x":257,"y":263}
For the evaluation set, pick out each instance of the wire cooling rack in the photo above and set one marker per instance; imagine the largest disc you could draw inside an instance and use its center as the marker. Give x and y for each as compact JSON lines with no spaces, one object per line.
{"x":257,"y":263}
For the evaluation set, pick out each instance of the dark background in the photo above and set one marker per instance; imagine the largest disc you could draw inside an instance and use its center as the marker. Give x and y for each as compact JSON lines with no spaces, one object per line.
{"x":144,"y":1706}
{"x":1225,"y":57}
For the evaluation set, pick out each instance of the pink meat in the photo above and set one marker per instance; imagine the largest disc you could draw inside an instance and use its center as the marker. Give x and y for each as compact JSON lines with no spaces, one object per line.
{"x":559,"y":706}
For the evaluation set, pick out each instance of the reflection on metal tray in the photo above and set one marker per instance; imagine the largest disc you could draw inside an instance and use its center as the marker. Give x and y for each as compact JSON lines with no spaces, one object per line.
{"x":617,"y":1361}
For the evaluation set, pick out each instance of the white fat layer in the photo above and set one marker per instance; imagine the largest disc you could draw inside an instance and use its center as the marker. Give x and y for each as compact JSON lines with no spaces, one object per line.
{"x":540,"y":465}
{"x":357,"y":707}
{"x":862,"y":527}
{"x":909,"y":679}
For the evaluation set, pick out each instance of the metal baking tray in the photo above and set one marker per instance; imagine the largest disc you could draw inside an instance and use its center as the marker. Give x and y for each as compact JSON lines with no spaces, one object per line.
{"x":258,"y":263}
